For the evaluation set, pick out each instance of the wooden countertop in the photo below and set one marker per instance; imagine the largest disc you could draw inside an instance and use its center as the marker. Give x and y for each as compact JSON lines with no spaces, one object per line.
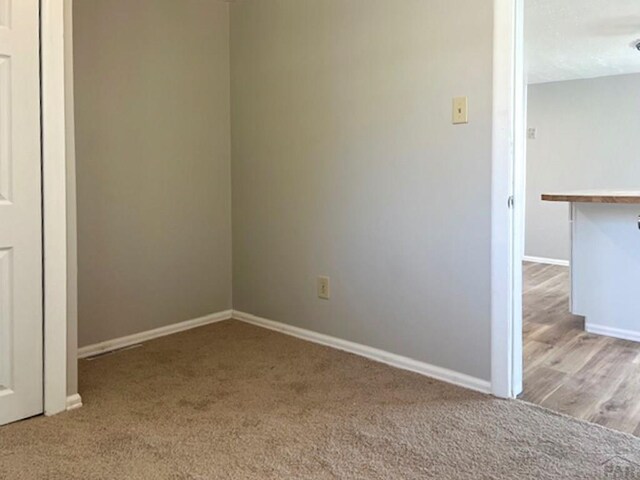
{"x":594,"y":196}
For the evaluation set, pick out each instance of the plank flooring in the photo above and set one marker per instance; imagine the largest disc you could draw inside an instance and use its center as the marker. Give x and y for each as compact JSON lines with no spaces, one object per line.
{"x":591,"y":377}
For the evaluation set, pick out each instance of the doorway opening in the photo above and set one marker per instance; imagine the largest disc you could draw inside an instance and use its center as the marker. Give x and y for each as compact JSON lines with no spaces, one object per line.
{"x":579,"y":171}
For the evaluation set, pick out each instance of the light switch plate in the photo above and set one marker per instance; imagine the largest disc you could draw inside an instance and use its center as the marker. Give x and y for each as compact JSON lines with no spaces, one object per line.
{"x":323,"y":288}
{"x":460,"y":110}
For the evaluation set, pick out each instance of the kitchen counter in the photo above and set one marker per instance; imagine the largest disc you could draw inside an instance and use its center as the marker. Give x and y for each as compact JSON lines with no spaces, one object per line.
{"x":594,"y":196}
{"x":605,"y":260}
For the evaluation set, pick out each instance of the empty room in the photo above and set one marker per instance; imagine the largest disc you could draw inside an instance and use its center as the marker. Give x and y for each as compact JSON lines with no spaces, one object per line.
{"x":281,"y":239}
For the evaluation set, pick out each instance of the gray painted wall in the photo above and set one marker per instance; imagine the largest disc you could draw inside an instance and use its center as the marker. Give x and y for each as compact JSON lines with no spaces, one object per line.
{"x":153,"y":163}
{"x":588,"y":137}
{"x":345,"y":163}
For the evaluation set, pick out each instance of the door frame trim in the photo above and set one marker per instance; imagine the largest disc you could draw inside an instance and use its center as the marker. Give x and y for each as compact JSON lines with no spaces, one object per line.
{"x":54,"y":200}
{"x":508,"y":69}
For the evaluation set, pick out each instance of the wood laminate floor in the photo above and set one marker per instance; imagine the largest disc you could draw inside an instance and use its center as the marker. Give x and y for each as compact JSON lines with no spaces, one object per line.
{"x":591,"y":377}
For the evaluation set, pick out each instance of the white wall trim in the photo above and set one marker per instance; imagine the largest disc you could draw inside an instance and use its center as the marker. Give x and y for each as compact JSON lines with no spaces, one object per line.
{"x":55,"y":206}
{"x":632,"y":335}
{"x":377,"y":355}
{"x":72,"y":244}
{"x":546,"y":261}
{"x":141,"y":337}
{"x":504,"y":366}
{"x":371,"y":353}
{"x":74,"y":402}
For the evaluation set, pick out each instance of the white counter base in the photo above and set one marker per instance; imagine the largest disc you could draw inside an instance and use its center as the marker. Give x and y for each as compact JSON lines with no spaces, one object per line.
{"x":605,"y":268}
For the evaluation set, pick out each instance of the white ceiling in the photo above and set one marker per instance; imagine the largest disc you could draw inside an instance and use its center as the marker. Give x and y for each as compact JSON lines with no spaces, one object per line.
{"x":572,"y":39}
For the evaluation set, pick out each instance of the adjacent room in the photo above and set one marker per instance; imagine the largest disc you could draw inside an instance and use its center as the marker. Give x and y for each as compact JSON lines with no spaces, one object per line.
{"x":264,"y":239}
{"x":581,"y":323}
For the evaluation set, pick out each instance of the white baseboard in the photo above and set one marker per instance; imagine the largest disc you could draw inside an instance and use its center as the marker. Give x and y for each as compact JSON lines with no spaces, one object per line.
{"x":546,"y":261}
{"x":375,"y":354}
{"x":73,"y":402}
{"x":122,"y":342}
{"x":632,"y":335}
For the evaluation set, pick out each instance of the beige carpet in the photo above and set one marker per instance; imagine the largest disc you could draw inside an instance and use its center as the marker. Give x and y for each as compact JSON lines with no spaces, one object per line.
{"x":232,"y":401}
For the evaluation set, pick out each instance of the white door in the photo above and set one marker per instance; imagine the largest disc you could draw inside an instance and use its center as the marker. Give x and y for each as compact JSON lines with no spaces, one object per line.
{"x":21,"y":320}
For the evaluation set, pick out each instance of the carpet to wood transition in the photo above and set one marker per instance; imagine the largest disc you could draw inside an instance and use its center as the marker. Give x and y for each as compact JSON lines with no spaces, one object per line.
{"x":233,"y":401}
